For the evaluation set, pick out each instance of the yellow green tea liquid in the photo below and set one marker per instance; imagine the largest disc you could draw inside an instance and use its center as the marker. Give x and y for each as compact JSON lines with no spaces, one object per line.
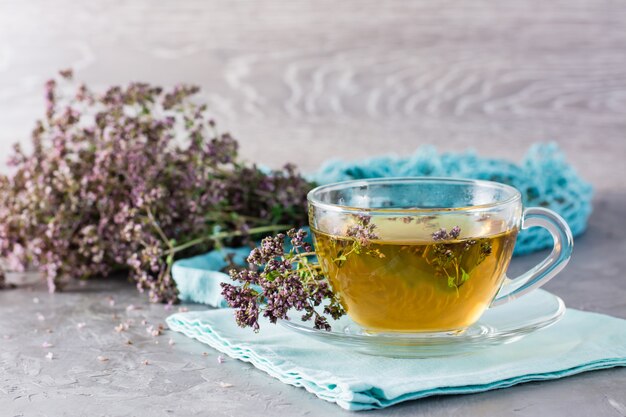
{"x":416,"y":285}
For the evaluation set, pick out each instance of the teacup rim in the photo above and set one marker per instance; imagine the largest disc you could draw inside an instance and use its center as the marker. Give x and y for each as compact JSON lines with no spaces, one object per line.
{"x":316,"y":202}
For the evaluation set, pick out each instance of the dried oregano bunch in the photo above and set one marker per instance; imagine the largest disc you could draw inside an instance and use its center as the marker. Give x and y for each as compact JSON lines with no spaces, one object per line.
{"x":132,"y":179}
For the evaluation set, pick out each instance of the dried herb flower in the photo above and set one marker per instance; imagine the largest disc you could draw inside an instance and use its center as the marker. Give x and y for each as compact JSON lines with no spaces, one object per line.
{"x":279,"y":281}
{"x":447,"y":255}
{"x":362,"y":233}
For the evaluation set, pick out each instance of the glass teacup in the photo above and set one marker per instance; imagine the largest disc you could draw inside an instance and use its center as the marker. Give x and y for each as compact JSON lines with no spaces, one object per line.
{"x":426,"y":254}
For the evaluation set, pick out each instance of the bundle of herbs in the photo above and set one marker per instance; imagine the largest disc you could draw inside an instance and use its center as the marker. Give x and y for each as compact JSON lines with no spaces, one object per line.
{"x":132,"y":179}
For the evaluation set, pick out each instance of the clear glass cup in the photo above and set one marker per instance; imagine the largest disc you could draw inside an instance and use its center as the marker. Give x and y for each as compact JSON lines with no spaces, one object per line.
{"x":426,"y":254}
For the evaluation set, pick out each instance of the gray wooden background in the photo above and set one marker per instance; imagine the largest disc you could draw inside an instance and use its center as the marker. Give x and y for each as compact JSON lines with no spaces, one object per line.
{"x":303,"y":81}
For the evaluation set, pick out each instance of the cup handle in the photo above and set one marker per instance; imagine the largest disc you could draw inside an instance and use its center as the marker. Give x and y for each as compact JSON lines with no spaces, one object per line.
{"x":550,"y":266}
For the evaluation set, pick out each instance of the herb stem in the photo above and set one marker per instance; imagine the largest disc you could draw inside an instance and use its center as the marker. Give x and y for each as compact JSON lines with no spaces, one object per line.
{"x":224,"y":235}
{"x":311,"y":274}
{"x":303,"y":255}
{"x":158,"y":228}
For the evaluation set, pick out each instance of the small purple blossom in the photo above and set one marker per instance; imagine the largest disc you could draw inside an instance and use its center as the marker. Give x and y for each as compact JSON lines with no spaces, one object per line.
{"x":442,"y":234}
{"x":297,"y":239}
{"x":455,"y":232}
{"x":363,"y":230}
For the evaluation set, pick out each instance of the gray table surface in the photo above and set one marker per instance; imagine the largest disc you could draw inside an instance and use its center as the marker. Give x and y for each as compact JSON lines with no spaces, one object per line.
{"x":301,"y":82}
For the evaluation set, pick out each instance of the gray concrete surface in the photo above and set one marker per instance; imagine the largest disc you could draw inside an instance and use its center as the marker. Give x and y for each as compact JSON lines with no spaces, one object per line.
{"x":186,"y":378}
{"x":301,"y":82}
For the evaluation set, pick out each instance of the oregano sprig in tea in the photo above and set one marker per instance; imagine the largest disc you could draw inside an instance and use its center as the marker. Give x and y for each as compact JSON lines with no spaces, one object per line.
{"x":280,"y":280}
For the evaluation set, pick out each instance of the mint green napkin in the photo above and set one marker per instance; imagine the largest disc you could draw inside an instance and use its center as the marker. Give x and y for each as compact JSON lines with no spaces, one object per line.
{"x":198,"y":278}
{"x":580,"y":342}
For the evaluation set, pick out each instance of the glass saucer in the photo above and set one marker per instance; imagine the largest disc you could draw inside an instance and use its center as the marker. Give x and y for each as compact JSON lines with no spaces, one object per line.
{"x":503,"y":324}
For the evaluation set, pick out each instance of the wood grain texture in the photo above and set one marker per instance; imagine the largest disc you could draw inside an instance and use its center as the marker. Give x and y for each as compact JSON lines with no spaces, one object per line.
{"x":303,"y":81}
{"x":348,"y":79}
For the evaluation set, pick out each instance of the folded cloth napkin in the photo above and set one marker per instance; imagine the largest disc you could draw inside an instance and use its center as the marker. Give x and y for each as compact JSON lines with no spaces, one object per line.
{"x":580,"y":342}
{"x":198,"y":278}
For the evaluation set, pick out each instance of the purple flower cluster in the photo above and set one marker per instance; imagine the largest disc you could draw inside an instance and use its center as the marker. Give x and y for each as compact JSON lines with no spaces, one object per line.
{"x":443,"y":234}
{"x":279,"y":281}
{"x":133,"y":178}
{"x":363,"y":230}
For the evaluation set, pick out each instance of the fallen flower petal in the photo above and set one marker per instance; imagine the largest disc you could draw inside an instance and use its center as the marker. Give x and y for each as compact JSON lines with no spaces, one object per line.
{"x":122,"y":327}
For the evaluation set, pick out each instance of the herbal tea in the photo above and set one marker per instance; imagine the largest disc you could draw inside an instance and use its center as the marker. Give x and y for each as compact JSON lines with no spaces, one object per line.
{"x":439,"y":281}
